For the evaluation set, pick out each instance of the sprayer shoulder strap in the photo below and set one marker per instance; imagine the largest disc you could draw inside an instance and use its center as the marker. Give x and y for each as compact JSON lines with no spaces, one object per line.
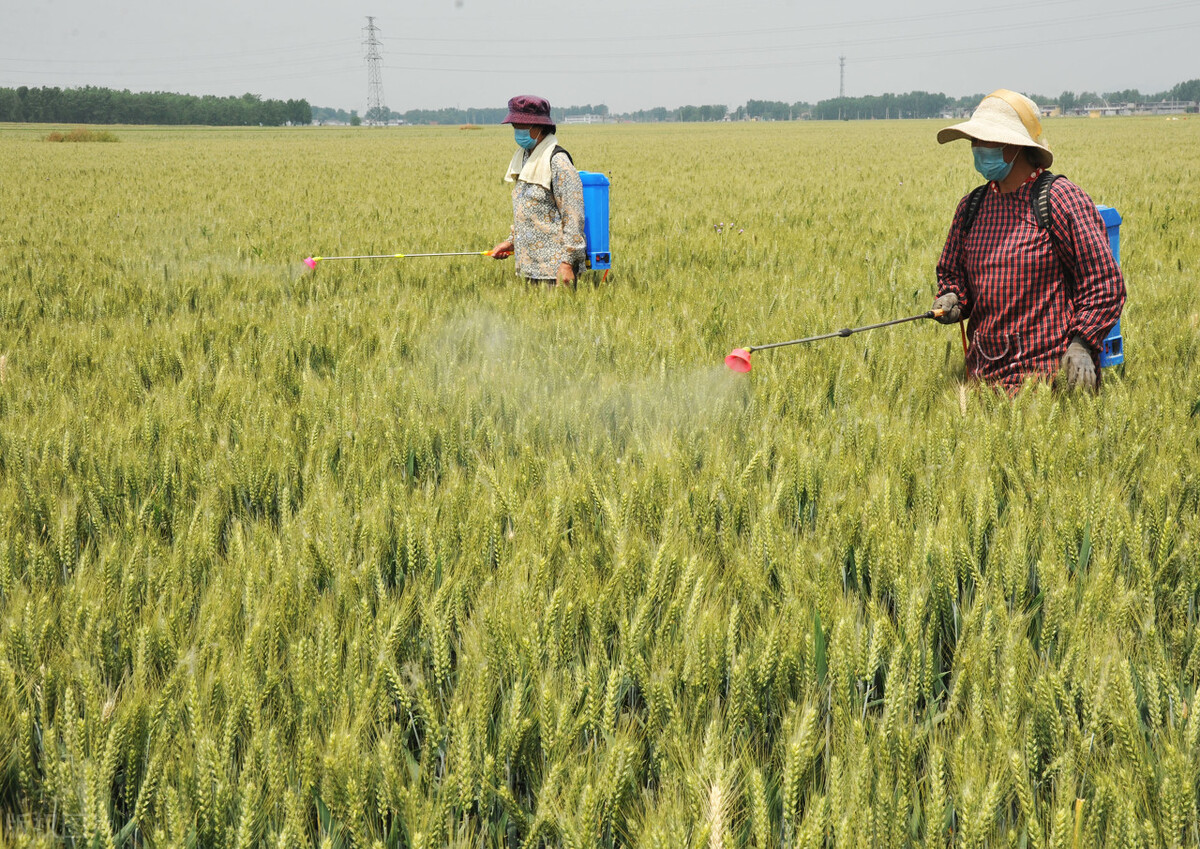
{"x":558,"y":148}
{"x":974,"y":201}
{"x":1039,"y":199}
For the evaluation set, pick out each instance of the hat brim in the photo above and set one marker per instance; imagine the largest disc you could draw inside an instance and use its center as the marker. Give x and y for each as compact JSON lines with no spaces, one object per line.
{"x":526,"y":118}
{"x":997,"y":133}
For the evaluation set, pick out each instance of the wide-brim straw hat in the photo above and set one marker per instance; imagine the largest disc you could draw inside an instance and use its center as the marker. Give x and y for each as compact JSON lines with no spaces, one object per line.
{"x":528,"y":109}
{"x":1005,"y":117}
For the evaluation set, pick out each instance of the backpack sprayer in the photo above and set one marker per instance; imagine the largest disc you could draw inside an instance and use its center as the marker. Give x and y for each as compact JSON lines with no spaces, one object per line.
{"x":1112,"y":348}
{"x":595,"y":220}
{"x":595,"y":230}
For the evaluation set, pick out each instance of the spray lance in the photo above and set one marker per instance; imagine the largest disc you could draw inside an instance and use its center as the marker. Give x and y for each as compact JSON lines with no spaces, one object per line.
{"x":312,"y":261}
{"x":739,"y":358}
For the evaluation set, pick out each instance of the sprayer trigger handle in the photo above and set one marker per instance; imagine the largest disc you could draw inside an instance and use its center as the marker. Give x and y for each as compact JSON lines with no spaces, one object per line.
{"x":936,"y":313}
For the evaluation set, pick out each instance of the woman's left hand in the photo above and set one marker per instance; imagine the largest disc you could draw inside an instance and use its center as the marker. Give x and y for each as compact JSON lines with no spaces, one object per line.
{"x":566,"y":273}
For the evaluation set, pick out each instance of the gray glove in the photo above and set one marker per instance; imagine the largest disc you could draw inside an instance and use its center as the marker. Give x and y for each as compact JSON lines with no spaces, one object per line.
{"x":949,"y":303}
{"x":1077,"y":365}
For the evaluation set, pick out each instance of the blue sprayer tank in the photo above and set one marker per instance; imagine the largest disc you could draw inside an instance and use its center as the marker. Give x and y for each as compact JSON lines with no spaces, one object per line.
{"x":595,"y":219}
{"x":1112,"y":349}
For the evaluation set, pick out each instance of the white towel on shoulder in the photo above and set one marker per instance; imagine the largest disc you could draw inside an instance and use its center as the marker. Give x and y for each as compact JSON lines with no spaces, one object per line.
{"x":537,"y":168}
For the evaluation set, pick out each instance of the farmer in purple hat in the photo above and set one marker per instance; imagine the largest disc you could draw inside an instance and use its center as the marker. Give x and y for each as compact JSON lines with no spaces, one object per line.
{"x":547,"y":230}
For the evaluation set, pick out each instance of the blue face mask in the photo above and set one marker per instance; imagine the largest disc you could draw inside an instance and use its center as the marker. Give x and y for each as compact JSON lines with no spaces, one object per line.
{"x":989,"y":161}
{"x":524,"y":139}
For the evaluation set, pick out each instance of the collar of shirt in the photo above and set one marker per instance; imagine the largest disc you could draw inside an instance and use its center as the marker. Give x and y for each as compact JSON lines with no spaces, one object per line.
{"x":1037,"y":172}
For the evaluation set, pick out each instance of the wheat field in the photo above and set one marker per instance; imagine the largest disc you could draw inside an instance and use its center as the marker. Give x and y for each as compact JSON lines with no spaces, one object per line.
{"x":404,"y":553}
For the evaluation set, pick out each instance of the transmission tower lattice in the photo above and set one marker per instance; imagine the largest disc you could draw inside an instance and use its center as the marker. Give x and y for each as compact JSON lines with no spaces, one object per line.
{"x":842,"y":84}
{"x":376,"y":111}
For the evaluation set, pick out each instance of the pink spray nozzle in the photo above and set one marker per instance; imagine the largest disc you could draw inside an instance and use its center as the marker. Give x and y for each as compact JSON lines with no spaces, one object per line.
{"x":738,"y":359}
{"x":311,"y":263}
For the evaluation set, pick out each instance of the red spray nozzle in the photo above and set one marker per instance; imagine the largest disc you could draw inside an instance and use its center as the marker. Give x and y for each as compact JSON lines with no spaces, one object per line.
{"x":738,"y":359}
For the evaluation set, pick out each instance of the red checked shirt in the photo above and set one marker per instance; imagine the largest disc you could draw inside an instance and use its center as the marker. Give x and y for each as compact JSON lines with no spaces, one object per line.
{"x":1026,"y":300}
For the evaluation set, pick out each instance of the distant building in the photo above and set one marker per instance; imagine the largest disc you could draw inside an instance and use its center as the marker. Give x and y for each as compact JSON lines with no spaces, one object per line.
{"x":1099,"y":110}
{"x":588,"y":119}
{"x":1161,"y":107}
{"x":1168,"y":107}
{"x":957,"y":113}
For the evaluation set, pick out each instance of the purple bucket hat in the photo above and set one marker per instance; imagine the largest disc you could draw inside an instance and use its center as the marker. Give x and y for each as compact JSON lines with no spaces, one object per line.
{"x":527,"y":109}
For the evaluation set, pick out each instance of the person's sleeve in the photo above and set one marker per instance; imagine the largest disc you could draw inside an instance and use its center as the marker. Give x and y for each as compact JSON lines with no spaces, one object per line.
{"x":1097,"y":286}
{"x":568,"y":196}
{"x":951,"y":268}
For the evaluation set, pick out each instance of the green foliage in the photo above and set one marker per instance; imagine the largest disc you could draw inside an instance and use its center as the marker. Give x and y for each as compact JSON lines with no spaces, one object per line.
{"x":1188,"y":90}
{"x":407,"y":554}
{"x":914,"y":104}
{"x":98,"y":105}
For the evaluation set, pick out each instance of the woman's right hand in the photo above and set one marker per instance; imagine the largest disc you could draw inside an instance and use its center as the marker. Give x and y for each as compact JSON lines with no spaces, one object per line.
{"x":503,"y":250}
{"x":951,"y":312}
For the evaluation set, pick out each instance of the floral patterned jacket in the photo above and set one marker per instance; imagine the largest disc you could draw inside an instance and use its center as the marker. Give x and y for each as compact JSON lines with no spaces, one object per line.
{"x":548,"y":224}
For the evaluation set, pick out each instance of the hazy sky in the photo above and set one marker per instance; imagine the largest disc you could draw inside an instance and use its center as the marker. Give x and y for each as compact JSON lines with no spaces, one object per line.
{"x":629,"y":54}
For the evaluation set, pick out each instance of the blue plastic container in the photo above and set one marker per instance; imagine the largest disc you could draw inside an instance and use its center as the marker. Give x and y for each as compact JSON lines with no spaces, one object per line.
{"x":1112,"y":350}
{"x":595,"y":218}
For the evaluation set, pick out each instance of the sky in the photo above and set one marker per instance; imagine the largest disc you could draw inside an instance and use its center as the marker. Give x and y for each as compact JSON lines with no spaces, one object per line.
{"x":628,"y":54}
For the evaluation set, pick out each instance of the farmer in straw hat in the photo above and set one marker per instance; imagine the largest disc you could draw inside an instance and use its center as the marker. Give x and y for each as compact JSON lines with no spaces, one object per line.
{"x":1038,"y":302}
{"x":547,"y":231}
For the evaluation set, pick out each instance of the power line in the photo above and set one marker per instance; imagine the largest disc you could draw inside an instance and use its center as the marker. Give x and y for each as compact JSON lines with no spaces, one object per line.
{"x":858,"y":41}
{"x":301,"y":53}
{"x":226,"y":75}
{"x":855,"y":26}
{"x":1056,"y":40}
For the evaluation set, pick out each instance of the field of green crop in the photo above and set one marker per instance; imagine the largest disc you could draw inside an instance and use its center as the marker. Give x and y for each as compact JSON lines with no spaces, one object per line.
{"x":406,"y":554}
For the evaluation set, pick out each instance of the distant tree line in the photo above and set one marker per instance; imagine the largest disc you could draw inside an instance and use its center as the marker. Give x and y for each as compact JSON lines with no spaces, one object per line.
{"x":485,"y":115}
{"x":768,"y":110}
{"x":95,"y":105}
{"x":328,"y":115}
{"x":923,"y":104}
{"x":914,"y":104}
{"x":682,"y":113}
{"x":1068,"y":100}
{"x":489,"y":115}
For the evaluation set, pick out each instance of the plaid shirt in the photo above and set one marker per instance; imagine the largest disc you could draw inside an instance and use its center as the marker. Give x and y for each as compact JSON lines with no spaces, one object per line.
{"x":1025,"y":299}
